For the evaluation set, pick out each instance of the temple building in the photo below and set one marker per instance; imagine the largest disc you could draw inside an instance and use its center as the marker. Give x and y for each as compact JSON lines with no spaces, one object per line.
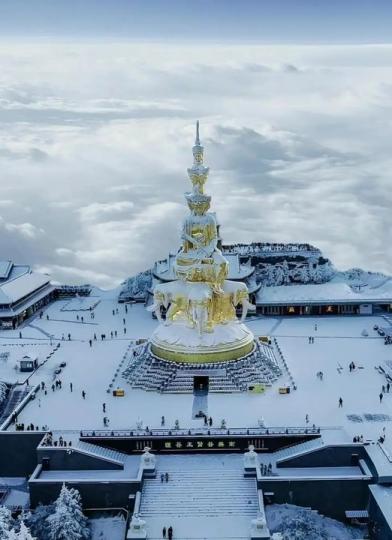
{"x":22,"y":293}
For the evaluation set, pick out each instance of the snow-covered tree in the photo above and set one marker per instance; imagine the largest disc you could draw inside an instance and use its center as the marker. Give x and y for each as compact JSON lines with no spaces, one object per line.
{"x":286,"y":273}
{"x":3,"y":391}
{"x":5,"y":521}
{"x":138,"y":285}
{"x":279,"y":275}
{"x":302,"y":527}
{"x":304,"y":274}
{"x":37,"y":521}
{"x":68,"y":522}
{"x":24,"y":533}
{"x":316,"y":274}
{"x":270,"y":275}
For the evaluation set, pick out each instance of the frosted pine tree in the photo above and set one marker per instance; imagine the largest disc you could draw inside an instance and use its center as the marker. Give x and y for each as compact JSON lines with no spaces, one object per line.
{"x":3,"y":391}
{"x":5,"y":521}
{"x":24,"y":533}
{"x":286,"y":273}
{"x":279,"y":275}
{"x":304,"y":274}
{"x":270,"y":275}
{"x":68,"y":521}
{"x":37,"y":521}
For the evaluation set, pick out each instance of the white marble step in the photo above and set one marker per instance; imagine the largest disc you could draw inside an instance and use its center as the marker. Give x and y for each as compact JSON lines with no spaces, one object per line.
{"x":199,"y":491}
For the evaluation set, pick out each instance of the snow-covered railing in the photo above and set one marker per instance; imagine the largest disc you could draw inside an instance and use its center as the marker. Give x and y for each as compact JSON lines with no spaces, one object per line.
{"x":385,"y":452}
{"x":200,"y":432}
{"x":20,"y":407}
{"x":284,"y":362}
{"x":259,"y":247}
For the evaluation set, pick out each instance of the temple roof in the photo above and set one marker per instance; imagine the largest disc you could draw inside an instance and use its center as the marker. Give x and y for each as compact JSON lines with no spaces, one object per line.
{"x":13,"y":290}
{"x":332,"y":292}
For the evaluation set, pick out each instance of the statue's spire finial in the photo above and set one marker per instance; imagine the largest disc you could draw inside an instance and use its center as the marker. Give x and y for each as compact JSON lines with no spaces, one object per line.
{"x":197,"y":140}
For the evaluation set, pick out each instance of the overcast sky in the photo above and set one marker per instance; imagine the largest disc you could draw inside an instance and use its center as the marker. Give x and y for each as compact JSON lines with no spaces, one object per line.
{"x":96,"y":134}
{"x":300,"y":21}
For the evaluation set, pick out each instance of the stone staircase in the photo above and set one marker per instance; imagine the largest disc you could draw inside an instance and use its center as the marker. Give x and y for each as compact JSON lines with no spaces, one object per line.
{"x":99,"y":452}
{"x":15,"y":396}
{"x":182,"y":383}
{"x":298,"y":450}
{"x":199,"y":488}
{"x":147,"y":372}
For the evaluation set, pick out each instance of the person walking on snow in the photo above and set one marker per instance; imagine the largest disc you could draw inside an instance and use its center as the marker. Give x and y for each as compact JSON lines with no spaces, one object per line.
{"x":381,"y":396}
{"x":164,"y":532}
{"x":170,"y":533}
{"x":340,"y":402}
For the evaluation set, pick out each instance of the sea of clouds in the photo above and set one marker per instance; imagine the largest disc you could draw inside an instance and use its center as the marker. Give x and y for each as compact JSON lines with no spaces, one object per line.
{"x":95,"y":139}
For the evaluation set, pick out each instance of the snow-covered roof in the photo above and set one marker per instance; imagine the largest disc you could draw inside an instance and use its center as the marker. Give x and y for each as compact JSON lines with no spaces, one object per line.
{"x":331,"y":292}
{"x":15,"y":289}
{"x":30,"y":357}
{"x":5,"y":269}
{"x":383,"y":497}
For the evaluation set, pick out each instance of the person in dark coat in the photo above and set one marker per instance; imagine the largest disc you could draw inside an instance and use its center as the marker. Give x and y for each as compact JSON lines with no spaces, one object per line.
{"x":170,"y":533}
{"x":164,"y":532}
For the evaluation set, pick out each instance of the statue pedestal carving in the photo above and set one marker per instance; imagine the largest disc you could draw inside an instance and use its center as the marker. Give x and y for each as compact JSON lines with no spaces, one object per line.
{"x":137,"y":528}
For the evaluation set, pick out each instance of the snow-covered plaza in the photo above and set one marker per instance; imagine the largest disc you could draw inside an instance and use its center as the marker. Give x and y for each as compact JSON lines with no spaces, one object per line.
{"x":338,"y":341}
{"x":272,"y":379}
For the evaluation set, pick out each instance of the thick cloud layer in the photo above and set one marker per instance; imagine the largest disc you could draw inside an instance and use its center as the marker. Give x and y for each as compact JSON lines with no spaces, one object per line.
{"x":95,"y":140}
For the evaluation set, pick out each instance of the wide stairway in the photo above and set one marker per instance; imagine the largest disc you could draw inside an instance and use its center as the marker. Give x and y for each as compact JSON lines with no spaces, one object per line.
{"x":205,"y":497}
{"x":147,"y":372}
{"x":105,"y":454}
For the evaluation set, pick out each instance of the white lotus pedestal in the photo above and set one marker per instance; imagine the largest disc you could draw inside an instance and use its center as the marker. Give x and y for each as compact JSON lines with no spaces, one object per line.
{"x":137,"y":528}
{"x":251,"y":462}
{"x":148,"y":463}
{"x":177,"y":342}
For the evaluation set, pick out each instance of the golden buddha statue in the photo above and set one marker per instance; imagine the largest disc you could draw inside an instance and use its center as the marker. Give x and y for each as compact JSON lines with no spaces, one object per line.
{"x":202,"y":301}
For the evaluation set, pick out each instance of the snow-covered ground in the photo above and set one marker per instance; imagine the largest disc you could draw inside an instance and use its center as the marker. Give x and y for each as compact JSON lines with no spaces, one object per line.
{"x":107,"y":528}
{"x":338,"y":341}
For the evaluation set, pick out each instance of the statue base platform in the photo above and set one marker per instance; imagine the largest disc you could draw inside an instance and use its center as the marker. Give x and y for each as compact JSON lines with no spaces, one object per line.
{"x":177,"y":342}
